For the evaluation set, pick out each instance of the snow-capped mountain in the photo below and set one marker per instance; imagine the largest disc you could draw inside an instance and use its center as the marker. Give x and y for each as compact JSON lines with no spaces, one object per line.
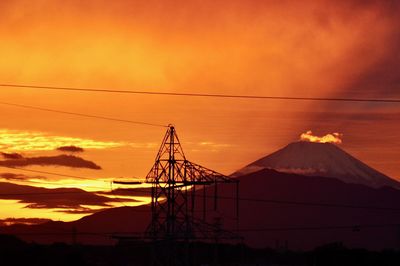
{"x":320,"y":159}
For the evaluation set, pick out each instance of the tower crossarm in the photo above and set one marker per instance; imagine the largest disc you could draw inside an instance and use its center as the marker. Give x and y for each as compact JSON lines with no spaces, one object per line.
{"x":198,"y":173}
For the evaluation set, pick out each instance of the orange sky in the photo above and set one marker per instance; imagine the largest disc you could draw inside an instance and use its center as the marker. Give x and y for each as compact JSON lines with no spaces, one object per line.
{"x":289,"y":48}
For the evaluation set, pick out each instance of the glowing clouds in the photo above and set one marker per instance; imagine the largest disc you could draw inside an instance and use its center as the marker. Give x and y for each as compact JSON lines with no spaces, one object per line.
{"x":60,"y":160}
{"x":15,"y":140}
{"x":328,"y":138}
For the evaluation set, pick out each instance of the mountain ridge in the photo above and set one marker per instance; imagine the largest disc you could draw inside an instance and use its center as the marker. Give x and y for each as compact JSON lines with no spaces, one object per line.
{"x":292,"y":201}
{"x":320,"y":159}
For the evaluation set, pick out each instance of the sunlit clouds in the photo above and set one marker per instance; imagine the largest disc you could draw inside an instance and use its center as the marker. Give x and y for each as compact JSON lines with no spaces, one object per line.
{"x":17,"y":140}
{"x":328,"y":138}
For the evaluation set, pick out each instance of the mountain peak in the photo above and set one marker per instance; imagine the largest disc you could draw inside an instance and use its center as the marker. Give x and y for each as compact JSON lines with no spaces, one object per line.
{"x":320,"y":159}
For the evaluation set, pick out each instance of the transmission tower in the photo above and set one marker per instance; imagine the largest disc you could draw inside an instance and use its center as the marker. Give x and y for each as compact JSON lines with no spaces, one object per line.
{"x":175,"y":181}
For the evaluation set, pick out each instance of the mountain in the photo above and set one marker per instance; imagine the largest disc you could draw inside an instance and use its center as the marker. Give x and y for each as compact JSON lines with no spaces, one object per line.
{"x":302,"y":211}
{"x":336,"y":198}
{"x":320,"y":159}
{"x":95,"y":229}
{"x":311,"y":211}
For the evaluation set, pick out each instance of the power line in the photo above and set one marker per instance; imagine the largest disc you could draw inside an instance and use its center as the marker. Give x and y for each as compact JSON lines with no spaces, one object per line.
{"x":67,"y":233}
{"x":57,"y":185}
{"x":288,"y":202}
{"x":312,"y":228}
{"x":48,"y":173}
{"x":315,"y":204}
{"x":355,"y":227}
{"x":56,"y":174}
{"x":187,"y":94}
{"x":271,"y":201}
{"x":43,"y":193}
{"x":81,"y":114}
{"x":52,"y":193}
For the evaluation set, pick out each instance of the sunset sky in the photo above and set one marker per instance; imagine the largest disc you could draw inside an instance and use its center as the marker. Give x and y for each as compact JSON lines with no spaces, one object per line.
{"x":340,"y":49}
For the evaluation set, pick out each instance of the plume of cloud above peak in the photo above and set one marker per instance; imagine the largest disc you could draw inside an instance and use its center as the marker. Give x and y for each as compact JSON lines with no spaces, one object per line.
{"x":328,"y":138}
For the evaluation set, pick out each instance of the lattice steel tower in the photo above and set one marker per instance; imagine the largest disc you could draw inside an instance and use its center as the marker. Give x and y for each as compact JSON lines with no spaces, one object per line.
{"x":175,"y":181}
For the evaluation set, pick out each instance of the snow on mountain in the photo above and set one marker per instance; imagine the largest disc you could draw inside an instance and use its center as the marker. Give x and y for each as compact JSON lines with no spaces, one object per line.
{"x":320,"y":159}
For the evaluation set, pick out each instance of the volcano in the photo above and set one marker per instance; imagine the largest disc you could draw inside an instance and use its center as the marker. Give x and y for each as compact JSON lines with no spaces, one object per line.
{"x":320,"y":159}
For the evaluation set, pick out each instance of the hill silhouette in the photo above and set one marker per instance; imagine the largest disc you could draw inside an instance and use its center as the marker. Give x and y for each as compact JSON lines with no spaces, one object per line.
{"x":275,"y":209}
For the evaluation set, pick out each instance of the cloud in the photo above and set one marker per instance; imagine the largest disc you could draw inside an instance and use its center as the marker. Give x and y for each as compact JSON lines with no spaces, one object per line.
{"x":210,"y":146}
{"x":60,"y":160}
{"x":81,"y":210}
{"x":249,"y":47}
{"x":328,"y":138}
{"x":17,"y":140}
{"x":128,"y":192}
{"x":27,"y":221}
{"x":70,"y":148}
{"x":71,"y":200}
{"x":11,"y":155}
{"x":15,"y":177}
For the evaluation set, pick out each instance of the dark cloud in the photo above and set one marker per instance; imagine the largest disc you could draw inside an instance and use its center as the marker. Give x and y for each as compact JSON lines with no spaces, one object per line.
{"x":129,"y":192}
{"x":370,"y":125}
{"x":70,"y":149}
{"x":20,"y":177}
{"x":328,"y":116}
{"x":81,"y":211}
{"x":60,"y":160}
{"x":70,"y":200}
{"x":12,"y":155}
{"x":11,"y":176}
{"x":28,"y":221}
{"x":382,"y":79}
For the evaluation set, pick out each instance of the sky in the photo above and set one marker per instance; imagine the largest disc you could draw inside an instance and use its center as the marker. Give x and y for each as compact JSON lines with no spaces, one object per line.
{"x":275,"y":48}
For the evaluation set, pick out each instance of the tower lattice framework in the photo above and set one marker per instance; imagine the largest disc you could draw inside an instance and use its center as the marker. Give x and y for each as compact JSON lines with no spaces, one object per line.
{"x":175,"y":181}
{"x":175,"y":186}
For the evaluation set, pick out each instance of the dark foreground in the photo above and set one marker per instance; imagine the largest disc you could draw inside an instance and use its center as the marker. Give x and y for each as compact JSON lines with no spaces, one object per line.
{"x":16,"y":252}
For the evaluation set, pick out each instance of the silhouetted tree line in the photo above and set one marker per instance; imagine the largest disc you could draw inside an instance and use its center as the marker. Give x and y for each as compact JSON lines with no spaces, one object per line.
{"x":14,"y":251}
